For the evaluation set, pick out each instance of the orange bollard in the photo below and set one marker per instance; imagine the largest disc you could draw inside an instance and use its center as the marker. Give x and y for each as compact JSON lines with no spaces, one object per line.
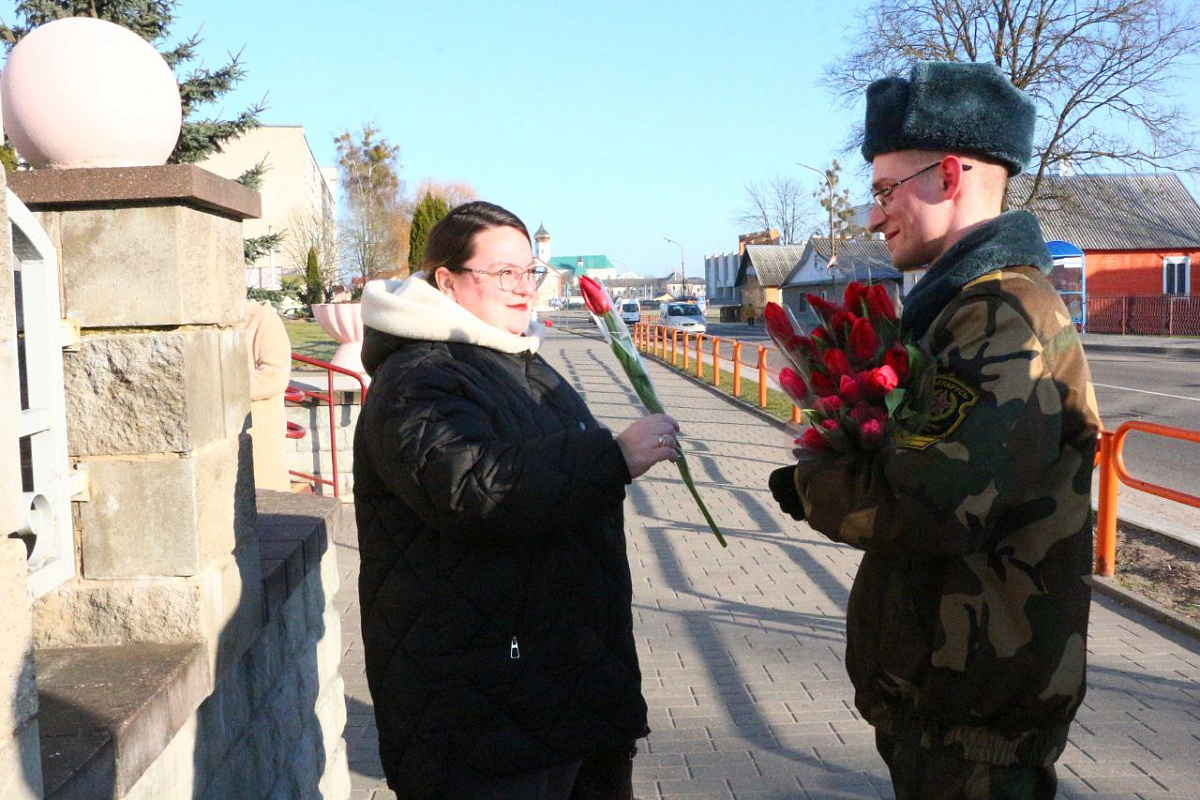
{"x":1106,"y":509}
{"x":737,"y":369}
{"x":762,"y":376}
{"x":687,"y":353}
{"x":699,"y":355}
{"x":674,"y":352}
{"x":716,"y":361}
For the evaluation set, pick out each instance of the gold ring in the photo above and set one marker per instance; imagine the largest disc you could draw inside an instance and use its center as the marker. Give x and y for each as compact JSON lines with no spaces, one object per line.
{"x":662,"y":441}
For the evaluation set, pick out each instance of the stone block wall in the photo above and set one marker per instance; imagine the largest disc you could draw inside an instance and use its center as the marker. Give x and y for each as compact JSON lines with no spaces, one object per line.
{"x":272,"y":725}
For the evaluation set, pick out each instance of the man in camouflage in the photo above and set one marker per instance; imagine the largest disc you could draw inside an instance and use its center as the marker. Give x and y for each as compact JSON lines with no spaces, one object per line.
{"x":967,"y":623}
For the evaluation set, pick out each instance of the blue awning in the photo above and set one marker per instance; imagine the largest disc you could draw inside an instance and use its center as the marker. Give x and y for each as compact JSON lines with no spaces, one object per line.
{"x":1061,"y":249}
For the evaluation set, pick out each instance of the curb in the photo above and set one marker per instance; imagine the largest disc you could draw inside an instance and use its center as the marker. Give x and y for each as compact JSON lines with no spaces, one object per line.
{"x":1140,"y":349}
{"x":1130,"y":599}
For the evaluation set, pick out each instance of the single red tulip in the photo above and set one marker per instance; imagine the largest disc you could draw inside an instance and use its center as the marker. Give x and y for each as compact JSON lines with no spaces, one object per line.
{"x":863,"y":340}
{"x":837,"y":363}
{"x":793,"y":384}
{"x":850,"y":390}
{"x":812,"y":439}
{"x":854,"y":297}
{"x":842,"y":321}
{"x":880,"y":303}
{"x":824,"y":309}
{"x":830,"y":405}
{"x":831,"y":425}
{"x":870,"y":433}
{"x":881,"y":380}
{"x":821,"y":337}
{"x":897,"y":358}
{"x":822,"y":385}
{"x":778,"y":323}
{"x":594,"y":296}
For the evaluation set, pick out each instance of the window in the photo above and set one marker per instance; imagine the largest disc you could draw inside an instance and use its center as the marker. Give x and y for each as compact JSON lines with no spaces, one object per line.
{"x":41,"y":419}
{"x":1176,"y":275}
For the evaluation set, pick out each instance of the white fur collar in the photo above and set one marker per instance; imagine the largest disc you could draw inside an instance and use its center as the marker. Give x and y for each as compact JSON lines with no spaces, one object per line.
{"x":413,"y":309}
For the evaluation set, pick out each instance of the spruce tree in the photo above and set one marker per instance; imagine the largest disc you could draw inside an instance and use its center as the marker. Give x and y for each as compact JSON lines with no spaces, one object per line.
{"x":151,"y":19}
{"x":314,"y":291}
{"x":427,"y":213}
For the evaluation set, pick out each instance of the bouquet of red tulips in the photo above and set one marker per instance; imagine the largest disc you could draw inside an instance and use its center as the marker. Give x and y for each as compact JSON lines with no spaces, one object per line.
{"x":855,"y":378}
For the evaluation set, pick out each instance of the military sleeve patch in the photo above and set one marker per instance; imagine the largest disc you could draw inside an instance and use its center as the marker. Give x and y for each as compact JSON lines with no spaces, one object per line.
{"x":951,"y":399}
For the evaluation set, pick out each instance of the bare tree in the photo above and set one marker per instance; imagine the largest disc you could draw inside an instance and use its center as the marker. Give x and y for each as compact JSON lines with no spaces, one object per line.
{"x":309,"y":229}
{"x":455,"y":193}
{"x":374,"y":239}
{"x":781,"y":203}
{"x":1103,"y":73}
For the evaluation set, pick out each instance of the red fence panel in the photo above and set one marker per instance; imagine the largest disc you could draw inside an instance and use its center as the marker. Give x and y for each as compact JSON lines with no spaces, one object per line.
{"x":1147,"y":315}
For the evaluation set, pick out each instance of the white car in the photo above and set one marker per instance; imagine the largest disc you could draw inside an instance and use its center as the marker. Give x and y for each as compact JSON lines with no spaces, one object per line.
{"x":686,"y":317}
{"x":631,"y":311}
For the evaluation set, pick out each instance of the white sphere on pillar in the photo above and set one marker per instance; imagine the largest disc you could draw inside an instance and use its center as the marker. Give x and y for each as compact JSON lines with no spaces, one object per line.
{"x":82,"y":92}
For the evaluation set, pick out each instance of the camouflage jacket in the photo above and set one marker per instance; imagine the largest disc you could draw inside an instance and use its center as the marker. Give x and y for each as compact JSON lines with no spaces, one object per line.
{"x":967,"y":621}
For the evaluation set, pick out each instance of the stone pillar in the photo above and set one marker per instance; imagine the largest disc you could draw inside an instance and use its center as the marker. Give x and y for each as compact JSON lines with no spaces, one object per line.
{"x":157,"y":395}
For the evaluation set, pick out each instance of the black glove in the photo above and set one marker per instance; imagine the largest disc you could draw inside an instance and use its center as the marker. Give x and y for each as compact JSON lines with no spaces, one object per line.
{"x":783,"y":488}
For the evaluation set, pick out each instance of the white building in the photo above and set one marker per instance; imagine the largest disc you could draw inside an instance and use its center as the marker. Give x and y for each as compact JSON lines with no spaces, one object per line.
{"x":297,"y":194}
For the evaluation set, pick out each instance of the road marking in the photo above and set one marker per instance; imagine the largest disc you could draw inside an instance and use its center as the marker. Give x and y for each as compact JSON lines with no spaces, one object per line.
{"x":1144,"y":391}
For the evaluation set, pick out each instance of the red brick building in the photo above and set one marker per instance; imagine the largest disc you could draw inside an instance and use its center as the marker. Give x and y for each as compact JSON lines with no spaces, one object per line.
{"x":1140,"y":235}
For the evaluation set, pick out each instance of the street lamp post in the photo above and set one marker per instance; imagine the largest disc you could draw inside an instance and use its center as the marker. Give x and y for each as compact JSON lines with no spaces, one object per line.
{"x":832,"y":265}
{"x":682,"y":276}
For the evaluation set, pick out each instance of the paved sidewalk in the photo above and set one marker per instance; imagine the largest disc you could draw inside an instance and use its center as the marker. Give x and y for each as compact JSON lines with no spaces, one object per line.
{"x":741,"y":649}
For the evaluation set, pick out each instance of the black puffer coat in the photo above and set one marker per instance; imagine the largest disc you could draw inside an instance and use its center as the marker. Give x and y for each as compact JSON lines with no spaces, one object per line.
{"x":494,"y":583}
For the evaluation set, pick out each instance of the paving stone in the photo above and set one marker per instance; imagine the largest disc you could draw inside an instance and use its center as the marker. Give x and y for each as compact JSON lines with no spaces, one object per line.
{"x":743,"y":649}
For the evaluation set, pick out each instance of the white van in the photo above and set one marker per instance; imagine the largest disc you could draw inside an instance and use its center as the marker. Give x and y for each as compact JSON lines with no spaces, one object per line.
{"x":631,"y":311}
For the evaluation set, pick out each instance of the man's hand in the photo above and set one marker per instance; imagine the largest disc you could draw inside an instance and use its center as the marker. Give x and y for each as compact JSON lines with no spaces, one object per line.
{"x":783,"y":488}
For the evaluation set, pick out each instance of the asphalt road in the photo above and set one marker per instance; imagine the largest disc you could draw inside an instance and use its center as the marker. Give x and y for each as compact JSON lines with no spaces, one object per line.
{"x":1163,"y":389}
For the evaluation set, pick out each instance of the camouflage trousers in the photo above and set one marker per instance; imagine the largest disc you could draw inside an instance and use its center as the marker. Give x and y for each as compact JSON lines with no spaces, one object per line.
{"x":920,"y":774}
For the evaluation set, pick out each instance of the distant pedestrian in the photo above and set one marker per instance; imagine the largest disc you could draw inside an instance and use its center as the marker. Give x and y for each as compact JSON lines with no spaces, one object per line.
{"x":270,"y":355}
{"x":967,"y":623}
{"x":495,"y":587}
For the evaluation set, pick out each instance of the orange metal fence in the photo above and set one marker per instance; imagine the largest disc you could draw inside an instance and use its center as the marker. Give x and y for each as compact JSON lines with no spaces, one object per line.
{"x":1109,"y":456}
{"x":1112,"y":471}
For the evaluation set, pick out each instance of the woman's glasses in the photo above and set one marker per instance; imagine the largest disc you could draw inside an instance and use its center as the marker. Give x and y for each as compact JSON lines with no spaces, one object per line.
{"x":508,"y":278}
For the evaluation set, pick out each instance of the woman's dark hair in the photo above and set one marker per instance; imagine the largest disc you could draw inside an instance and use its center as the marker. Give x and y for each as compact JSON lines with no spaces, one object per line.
{"x":451,"y":240}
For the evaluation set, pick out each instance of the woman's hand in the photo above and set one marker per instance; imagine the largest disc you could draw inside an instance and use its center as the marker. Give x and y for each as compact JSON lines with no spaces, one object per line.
{"x":649,"y":440}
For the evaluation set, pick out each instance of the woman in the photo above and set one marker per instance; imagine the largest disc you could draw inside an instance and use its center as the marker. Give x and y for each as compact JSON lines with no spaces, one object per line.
{"x":494,"y":586}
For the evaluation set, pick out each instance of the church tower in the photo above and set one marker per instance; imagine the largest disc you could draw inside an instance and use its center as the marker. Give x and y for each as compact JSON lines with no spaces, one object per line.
{"x":541,"y":246}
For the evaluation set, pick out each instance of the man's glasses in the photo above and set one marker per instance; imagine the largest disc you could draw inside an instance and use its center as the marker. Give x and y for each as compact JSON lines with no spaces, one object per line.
{"x":508,"y":278}
{"x":884,"y":195}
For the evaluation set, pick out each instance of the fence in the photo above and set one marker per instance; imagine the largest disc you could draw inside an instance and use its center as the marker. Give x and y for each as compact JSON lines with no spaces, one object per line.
{"x":1110,"y":457}
{"x":671,"y":347}
{"x":329,"y":398}
{"x":1150,"y":315}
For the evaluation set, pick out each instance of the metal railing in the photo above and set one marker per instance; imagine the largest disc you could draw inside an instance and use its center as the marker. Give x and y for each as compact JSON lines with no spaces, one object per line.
{"x":1111,"y":459}
{"x":669,"y":345}
{"x":657,"y":339}
{"x":328,"y":398}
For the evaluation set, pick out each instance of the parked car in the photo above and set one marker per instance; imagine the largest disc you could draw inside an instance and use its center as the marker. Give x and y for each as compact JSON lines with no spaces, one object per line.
{"x":631,"y":312}
{"x":686,"y":317}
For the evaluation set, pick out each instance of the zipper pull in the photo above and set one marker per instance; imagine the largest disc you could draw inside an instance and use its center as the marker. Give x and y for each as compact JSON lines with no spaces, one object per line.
{"x":514,"y":650}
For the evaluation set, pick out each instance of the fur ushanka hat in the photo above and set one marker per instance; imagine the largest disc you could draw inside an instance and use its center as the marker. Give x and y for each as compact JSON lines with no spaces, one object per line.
{"x":945,"y":105}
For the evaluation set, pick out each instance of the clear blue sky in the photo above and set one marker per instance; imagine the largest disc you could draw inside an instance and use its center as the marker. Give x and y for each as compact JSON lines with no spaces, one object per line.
{"x":612,"y":123}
